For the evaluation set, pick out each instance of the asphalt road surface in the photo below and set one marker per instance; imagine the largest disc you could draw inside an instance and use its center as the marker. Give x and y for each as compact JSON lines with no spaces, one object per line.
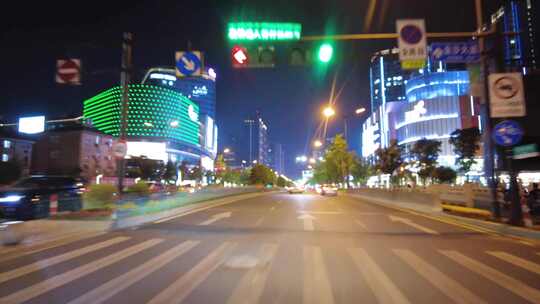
{"x":281,"y":248}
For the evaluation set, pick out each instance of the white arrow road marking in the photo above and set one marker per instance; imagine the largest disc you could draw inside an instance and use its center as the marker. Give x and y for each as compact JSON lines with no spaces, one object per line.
{"x":215,"y":218}
{"x":190,"y":65}
{"x":360,"y":223}
{"x":409,"y":222}
{"x":308,"y":221}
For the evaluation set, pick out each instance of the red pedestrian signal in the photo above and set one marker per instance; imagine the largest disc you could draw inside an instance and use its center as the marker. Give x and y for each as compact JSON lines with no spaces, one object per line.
{"x":240,"y":57}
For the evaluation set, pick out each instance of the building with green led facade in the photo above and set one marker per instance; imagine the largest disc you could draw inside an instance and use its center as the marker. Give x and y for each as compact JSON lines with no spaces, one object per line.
{"x":156,"y":115}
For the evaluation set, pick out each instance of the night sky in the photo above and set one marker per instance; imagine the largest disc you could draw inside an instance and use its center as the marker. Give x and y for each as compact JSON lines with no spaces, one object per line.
{"x":34,"y":35}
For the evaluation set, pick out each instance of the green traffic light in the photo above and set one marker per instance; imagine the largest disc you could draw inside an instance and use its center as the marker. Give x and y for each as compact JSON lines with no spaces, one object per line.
{"x":325,"y":52}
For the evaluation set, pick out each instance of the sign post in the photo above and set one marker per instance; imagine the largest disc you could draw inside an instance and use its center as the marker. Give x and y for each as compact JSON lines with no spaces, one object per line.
{"x":412,"y":43}
{"x":507,"y":134}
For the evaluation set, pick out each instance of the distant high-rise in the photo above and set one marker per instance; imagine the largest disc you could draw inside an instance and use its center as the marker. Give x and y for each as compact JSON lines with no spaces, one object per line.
{"x":258,"y":146}
{"x":278,"y":157}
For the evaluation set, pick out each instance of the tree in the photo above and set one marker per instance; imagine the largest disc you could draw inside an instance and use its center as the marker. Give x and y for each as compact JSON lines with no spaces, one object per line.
{"x":148,"y":169}
{"x":425,"y":152}
{"x":281,"y":182}
{"x":261,"y":175}
{"x":389,"y":159}
{"x":184,"y":170}
{"x":170,"y":174}
{"x":444,"y":175}
{"x":339,"y":158}
{"x":196,"y":173}
{"x":466,"y":144}
{"x":361,"y":170}
{"x":10,"y":171}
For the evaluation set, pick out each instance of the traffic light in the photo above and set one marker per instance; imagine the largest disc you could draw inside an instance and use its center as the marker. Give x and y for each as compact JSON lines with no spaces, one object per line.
{"x":239,"y":57}
{"x":325,"y":53}
{"x":300,"y":56}
{"x":266,"y":57}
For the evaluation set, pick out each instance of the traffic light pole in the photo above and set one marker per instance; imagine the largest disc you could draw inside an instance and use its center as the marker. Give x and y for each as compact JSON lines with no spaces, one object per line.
{"x":125,"y":76}
{"x":489,"y":170}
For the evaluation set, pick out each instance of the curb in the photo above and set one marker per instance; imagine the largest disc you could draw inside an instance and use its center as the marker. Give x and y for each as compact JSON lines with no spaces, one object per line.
{"x":522,"y":235}
{"x":466,"y":210}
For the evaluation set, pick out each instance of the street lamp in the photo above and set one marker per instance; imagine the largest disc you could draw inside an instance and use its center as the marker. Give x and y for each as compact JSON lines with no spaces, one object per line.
{"x":317,"y":143}
{"x":328,"y":112}
{"x":360,"y":111}
{"x":226,"y":150}
{"x":312,"y":160}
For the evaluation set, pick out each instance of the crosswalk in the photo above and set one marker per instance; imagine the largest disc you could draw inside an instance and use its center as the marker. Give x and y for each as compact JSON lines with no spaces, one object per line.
{"x":374,"y":272}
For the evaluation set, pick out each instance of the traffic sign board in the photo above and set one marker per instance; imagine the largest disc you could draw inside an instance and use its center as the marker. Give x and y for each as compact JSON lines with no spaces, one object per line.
{"x":68,"y":71}
{"x":188,"y":63}
{"x":455,"y":52}
{"x":412,"y":43}
{"x":507,"y":133}
{"x":240,"y":56}
{"x":525,"y":151}
{"x":120,"y":149}
{"x":506,"y":97}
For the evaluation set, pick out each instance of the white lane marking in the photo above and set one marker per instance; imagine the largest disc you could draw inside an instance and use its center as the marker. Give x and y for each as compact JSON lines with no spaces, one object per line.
{"x":317,"y":288}
{"x":215,"y":218}
{"x":234,"y":200}
{"x":111,"y":288}
{"x":184,"y":285}
{"x":368,"y":213}
{"x":41,"y":264}
{"x":19,"y":251}
{"x":252,"y":284}
{"x":318,"y":212}
{"x":497,"y":277}
{"x":308,"y":221}
{"x":517,"y":261}
{"x":42,"y":287}
{"x":451,"y":288}
{"x":382,"y":287}
{"x":360,"y":223}
{"x":409,"y":222}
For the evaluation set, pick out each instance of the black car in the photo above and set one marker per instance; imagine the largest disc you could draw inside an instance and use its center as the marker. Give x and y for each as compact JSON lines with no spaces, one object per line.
{"x":30,"y":197}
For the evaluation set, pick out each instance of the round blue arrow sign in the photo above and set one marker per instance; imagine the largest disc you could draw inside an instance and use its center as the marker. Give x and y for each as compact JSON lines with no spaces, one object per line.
{"x":507,"y":133}
{"x":188,"y":63}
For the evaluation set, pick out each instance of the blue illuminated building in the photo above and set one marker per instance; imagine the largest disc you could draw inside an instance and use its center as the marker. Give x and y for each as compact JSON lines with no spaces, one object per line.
{"x":520,"y":51}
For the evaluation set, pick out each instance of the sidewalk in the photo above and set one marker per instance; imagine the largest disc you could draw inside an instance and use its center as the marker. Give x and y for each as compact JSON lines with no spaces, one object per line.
{"x":46,"y":233}
{"x":437,"y":213}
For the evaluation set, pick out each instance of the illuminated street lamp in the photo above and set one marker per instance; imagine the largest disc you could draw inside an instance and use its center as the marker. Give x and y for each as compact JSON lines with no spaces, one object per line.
{"x":328,"y":112}
{"x":226,"y":150}
{"x":360,"y":111}
{"x":317,"y":143}
{"x":312,"y":160}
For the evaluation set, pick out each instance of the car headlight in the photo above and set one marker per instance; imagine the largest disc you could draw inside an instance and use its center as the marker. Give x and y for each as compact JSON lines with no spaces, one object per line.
{"x":11,"y":198}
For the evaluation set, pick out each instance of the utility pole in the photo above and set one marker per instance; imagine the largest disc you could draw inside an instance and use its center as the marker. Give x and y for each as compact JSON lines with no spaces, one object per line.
{"x":125,"y":76}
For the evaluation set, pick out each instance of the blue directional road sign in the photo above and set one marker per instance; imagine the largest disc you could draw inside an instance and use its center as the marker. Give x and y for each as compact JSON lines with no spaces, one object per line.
{"x":507,"y":133}
{"x":188,"y":63}
{"x":455,"y":52}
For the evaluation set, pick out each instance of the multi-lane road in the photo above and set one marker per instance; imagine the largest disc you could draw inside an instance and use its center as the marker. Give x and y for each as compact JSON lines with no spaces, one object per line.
{"x":281,"y":248}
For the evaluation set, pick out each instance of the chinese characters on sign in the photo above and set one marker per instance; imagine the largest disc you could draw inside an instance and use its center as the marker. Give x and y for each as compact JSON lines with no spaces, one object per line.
{"x":455,"y":52}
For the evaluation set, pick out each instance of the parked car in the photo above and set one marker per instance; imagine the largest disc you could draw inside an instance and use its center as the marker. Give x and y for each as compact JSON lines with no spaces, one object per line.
{"x":329,"y":190}
{"x":30,"y":197}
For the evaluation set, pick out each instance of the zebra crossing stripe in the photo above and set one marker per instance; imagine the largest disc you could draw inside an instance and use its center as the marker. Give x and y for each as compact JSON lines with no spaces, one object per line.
{"x":252,"y":283}
{"x":184,"y":285}
{"x":383,"y":288}
{"x":451,"y":288}
{"x":42,"y":287}
{"x":497,"y":277}
{"x":517,"y":261}
{"x":41,"y":264}
{"x":109,"y":289}
{"x":317,"y":288}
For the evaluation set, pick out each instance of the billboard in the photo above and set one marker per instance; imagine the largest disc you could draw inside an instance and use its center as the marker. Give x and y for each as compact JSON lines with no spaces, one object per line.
{"x":32,"y":124}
